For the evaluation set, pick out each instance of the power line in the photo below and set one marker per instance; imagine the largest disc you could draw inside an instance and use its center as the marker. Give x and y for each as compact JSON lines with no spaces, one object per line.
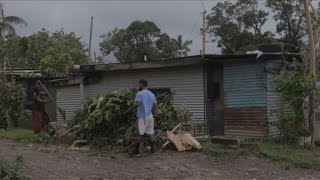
{"x":204,"y":8}
{"x":195,"y":24}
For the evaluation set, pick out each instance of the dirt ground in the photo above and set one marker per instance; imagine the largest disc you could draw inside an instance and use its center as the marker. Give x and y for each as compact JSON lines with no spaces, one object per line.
{"x":56,"y":162}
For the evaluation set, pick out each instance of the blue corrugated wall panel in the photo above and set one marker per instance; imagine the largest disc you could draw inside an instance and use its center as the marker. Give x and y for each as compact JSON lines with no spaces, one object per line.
{"x":272,"y":68}
{"x":245,"y":85}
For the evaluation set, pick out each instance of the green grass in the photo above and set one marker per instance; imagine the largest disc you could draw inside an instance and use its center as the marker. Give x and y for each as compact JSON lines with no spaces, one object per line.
{"x":293,"y":154}
{"x":218,"y":149}
{"x":289,"y":155}
{"x":19,"y":135}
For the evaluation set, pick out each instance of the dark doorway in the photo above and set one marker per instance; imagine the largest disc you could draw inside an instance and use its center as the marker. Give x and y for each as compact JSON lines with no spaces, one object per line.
{"x":215,"y":100}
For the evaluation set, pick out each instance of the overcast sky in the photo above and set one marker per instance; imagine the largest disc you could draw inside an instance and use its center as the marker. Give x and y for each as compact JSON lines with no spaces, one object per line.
{"x":173,"y":17}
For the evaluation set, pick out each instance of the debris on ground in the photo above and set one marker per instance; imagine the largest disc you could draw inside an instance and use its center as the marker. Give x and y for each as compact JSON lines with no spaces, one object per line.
{"x":102,"y":120}
{"x":62,"y":132}
{"x":65,"y":164}
{"x":79,"y":145}
{"x":182,"y":140}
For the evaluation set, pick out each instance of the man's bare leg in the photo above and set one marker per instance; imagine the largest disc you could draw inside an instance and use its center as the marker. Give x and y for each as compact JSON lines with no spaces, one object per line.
{"x":138,"y":141}
{"x":152,"y":140}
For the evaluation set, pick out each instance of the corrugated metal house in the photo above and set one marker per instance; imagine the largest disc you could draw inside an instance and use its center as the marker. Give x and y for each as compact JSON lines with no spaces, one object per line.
{"x":229,"y":95}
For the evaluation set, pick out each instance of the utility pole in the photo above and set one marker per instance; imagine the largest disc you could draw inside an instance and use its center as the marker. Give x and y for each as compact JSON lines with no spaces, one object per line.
{"x":90,"y":40}
{"x":203,"y":32}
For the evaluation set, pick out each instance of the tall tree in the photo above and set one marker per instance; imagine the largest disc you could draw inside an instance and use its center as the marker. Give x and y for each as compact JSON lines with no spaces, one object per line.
{"x":290,"y":18}
{"x":52,"y":53}
{"x":7,"y":23}
{"x":12,"y":49}
{"x":166,"y":46}
{"x":131,"y":44}
{"x":139,"y":39}
{"x":182,"y":45}
{"x":312,"y":21}
{"x":237,"y":27}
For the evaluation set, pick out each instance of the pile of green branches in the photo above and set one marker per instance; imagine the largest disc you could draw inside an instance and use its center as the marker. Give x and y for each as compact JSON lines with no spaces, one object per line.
{"x":103,"y":119}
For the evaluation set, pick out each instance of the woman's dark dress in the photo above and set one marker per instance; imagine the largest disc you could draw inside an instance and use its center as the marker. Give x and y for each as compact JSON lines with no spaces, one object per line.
{"x":40,"y":118}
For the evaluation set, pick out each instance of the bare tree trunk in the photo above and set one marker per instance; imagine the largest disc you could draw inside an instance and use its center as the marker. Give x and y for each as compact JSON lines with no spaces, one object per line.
{"x":311,"y":58}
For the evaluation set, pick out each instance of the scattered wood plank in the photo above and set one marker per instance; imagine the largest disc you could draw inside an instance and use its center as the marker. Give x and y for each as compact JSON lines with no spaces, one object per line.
{"x":79,"y":145}
{"x":168,"y":142}
{"x":61,"y":133}
{"x":182,"y":141}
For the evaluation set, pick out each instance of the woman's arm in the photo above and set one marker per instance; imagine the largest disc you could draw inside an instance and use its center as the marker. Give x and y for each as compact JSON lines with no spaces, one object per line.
{"x":39,"y":99}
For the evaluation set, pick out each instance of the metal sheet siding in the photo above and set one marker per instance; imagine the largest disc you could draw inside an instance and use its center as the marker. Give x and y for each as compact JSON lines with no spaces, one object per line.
{"x":186,"y":83}
{"x":244,"y":85}
{"x":245,"y":90}
{"x":249,"y":122}
{"x":275,"y":104}
{"x":68,"y":98}
{"x":276,"y":107}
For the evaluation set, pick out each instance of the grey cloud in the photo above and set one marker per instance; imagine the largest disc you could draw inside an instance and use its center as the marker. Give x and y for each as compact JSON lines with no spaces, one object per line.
{"x":173,"y":17}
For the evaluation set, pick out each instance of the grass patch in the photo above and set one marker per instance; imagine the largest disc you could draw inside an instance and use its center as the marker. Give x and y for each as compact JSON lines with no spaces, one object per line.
{"x":19,"y":135}
{"x":289,"y":155}
{"x":293,"y":154}
{"x":218,"y":149}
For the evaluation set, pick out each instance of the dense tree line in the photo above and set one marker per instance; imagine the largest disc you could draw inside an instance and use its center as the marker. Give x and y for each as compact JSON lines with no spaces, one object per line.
{"x":139,"y":39}
{"x":235,"y":26}
{"x":240,"y":26}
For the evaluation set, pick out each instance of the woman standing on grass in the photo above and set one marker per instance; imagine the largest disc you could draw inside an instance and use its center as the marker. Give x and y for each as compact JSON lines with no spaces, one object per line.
{"x":40,"y":118}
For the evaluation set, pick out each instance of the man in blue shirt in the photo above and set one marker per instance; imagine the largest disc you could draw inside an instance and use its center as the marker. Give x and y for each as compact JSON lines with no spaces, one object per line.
{"x":146,"y":104}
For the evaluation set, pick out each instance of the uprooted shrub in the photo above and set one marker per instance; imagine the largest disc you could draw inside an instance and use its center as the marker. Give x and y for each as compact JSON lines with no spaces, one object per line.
{"x":103,"y":119}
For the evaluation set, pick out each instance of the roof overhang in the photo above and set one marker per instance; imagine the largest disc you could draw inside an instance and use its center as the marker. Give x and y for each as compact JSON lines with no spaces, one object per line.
{"x":188,"y":61}
{"x":166,"y":63}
